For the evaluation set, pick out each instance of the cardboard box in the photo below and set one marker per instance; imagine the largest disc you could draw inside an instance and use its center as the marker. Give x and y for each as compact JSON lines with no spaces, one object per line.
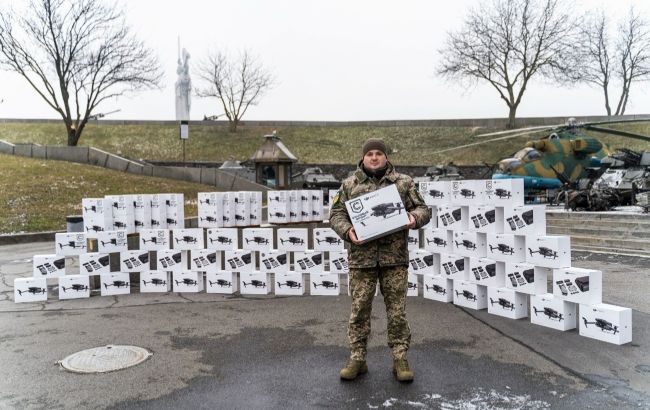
{"x":317,"y":208}
{"x":308,"y":261}
{"x":324,"y":284}
{"x":255,"y":199}
{"x":70,"y":243}
{"x":97,"y":215}
{"x":257,"y":239}
{"x":549,"y":311}
{"x":526,"y":278}
{"x":221,"y":281}
{"x":175,"y":211}
{"x":116,"y":283}
{"x":239,"y":260}
{"x":292,"y":239}
{"x":255,"y":283}
{"x":549,"y":251}
{"x":470,"y":295}
{"x":274,"y":261}
{"x":507,"y":303}
{"x":210,"y":218}
{"x":412,"y":285}
{"x":413,"y":239}
{"x":435,"y":192}
{"x":338,"y":262}
{"x":142,"y":206}
{"x":223,"y":239}
{"x":483,"y":218}
{"x":453,"y":266}
{"x":154,"y":239}
{"x":188,"y":239}
{"x":48,"y":266}
{"x":121,"y":204}
{"x":188,"y":281}
{"x":158,"y":211}
{"x":208,"y":201}
{"x":438,"y":287}
{"x":484,"y":272}
{"x":423,"y":262}
{"x":171,"y":260}
{"x":467,"y":192}
{"x":325,"y":239}
{"x":467,"y":243}
{"x":134,"y":261}
{"x":305,"y":205}
{"x":438,"y":240}
{"x":504,"y":192}
{"x":578,"y":285}
{"x":242,"y":209}
{"x":451,"y":217}
{"x":228,"y":209}
{"x":278,"y":207}
{"x":377,"y":213}
{"x":74,"y":287}
{"x":155,"y":281}
{"x":504,"y":247}
{"x":289,"y":283}
{"x":112,"y":241}
{"x":205,"y":260}
{"x":30,"y":290}
{"x":94,"y":263}
{"x":525,"y":220}
{"x":125,"y":222}
{"x":295,"y":207}
{"x":608,"y":323}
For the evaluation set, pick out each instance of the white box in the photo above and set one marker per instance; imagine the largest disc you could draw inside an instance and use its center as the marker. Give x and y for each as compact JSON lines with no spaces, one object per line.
{"x":483,"y":218}
{"x":505,"y":247}
{"x":188,"y":281}
{"x":158,"y":211}
{"x":255,"y":199}
{"x":423,"y":262}
{"x":316,"y":205}
{"x":308,"y":261}
{"x":504,"y":192}
{"x":227,"y":211}
{"x":155,"y":281}
{"x":134,"y":261}
{"x":257,"y":239}
{"x":438,"y":240}
{"x":453,"y":266}
{"x":70,"y":243}
{"x":438,"y":287}
{"x":205,"y":260}
{"x":324,"y":284}
{"x":154,"y":239}
{"x":254,"y":283}
{"x":377,"y":213}
{"x":278,"y":206}
{"x":48,"y":266}
{"x":578,"y":285}
{"x":116,"y":283}
{"x":338,"y":262}
{"x":305,"y":205}
{"x":608,"y":323}
{"x":188,"y":239}
{"x":451,"y":217}
{"x":112,"y":241}
{"x":97,"y":215}
{"x":412,"y":288}
{"x":526,"y":278}
{"x":121,"y":205}
{"x":549,"y":251}
{"x":239,"y":260}
{"x":30,"y":290}
{"x":470,"y":244}
{"x":470,"y":295}
{"x":124,"y":222}
{"x":289,"y":283}
{"x":484,"y":272}
{"x":242,"y":209}
{"x":175,"y":211}
{"x":208,"y":201}
{"x":525,"y":220}
{"x":466,"y":192}
{"x":295,"y":207}
{"x":507,"y":303}
{"x":171,"y":260}
{"x":142,"y":206}
{"x":94,"y":263}
{"x":435,"y":192}
{"x":223,"y":239}
{"x":413,"y":239}
{"x":274,"y":261}
{"x":325,"y":239}
{"x":74,"y":287}
{"x":292,"y":239}
{"x":549,"y":311}
{"x":221,"y":281}
{"x":209,"y":218}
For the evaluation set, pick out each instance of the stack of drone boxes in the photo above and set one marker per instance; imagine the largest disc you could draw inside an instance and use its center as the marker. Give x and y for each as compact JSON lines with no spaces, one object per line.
{"x":295,"y":206}
{"x":229,"y":209}
{"x":489,"y":250}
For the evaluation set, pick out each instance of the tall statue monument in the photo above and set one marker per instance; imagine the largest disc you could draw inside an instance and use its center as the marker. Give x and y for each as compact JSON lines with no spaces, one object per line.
{"x":183,"y":86}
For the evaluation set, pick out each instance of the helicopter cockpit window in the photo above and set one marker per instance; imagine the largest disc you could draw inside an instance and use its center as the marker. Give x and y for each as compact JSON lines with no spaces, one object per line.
{"x":554,"y":136}
{"x":532,"y":155}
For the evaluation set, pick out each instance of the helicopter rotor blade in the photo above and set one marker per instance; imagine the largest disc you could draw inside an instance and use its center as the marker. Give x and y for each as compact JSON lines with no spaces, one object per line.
{"x":618,"y":132}
{"x":483,"y":142}
{"x":536,"y":128}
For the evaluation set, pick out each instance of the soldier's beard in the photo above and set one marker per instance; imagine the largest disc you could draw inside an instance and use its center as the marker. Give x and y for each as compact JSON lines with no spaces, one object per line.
{"x":376,"y":173}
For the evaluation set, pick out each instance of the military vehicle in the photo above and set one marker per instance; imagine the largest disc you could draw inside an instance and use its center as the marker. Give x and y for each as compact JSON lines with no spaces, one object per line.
{"x":314,"y":178}
{"x":447,"y":172}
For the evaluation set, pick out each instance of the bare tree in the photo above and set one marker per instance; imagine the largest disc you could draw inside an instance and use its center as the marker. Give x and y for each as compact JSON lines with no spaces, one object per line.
{"x":633,"y":52}
{"x":76,"y":54}
{"x":237,"y":82}
{"x":506,"y":43}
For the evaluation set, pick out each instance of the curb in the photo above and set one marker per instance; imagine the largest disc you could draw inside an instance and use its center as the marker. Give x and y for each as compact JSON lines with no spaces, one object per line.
{"x":14,"y":239}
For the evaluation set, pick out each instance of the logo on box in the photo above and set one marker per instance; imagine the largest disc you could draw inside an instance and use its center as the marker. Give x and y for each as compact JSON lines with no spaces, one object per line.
{"x":356,"y":206}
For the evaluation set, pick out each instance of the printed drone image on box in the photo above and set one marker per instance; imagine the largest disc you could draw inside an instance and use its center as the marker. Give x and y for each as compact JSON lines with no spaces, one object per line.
{"x":188,"y":239}
{"x":221,"y":281}
{"x":438,"y":287}
{"x":504,"y":192}
{"x":70,"y":243}
{"x":188,"y":281}
{"x":255,"y":283}
{"x":278,"y":207}
{"x":142,"y":206}
{"x":413,"y":239}
{"x":242,"y":209}
{"x":228,"y":209}
{"x":134,"y":261}
{"x":289,"y":283}
{"x":74,"y":287}
{"x":451,"y":217}
{"x":484,"y":271}
{"x":316,"y":205}
{"x":208,"y":200}
{"x":438,"y":240}
{"x":422,"y":261}
{"x":549,"y":251}
{"x":116,"y":283}
{"x":435,"y":192}
{"x":223,"y":239}
{"x":467,"y":243}
{"x":121,"y":204}
{"x":324,"y":284}
{"x":257,"y":239}
{"x":325,"y":239}
{"x":549,"y":311}
{"x":295,"y":206}
{"x":158,"y":211}
{"x":125,"y":222}
{"x":453,"y":266}
{"x":507,"y":303}
{"x":239,"y":260}
{"x":309,"y":261}
{"x":97,"y":215}
{"x":155,"y":281}
{"x":154,"y":239}
{"x":274,"y":261}
{"x":377,"y":213}
{"x":338,"y":262}
{"x":305,"y":205}
{"x":466,"y":192}
{"x":505,"y":247}
{"x":205,"y":260}
{"x":526,"y":278}
{"x":30,"y":290}
{"x":578,"y":285}
{"x":608,"y":323}
{"x":48,"y":266}
{"x":292,"y":239}
{"x":171,"y":260}
{"x":470,"y":295}
{"x":483,"y":218}
{"x":209,"y":218}
{"x":94,"y":263}
{"x":112,"y":241}
{"x":412,"y":285}
{"x":524,"y":220}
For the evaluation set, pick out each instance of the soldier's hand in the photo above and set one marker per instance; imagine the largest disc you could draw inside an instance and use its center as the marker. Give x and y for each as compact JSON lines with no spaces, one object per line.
{"x":353,"y":237}
{"x":411,"y":224}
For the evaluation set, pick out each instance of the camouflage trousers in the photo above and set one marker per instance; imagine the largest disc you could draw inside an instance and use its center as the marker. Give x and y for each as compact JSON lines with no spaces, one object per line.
{"x":393,"y":282}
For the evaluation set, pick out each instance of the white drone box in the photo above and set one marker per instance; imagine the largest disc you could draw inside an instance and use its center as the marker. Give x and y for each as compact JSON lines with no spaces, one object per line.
{"x":242,"y":209}
{"x":205,"y":260}
{"x":94,"y":263}
{"x":451,"y":217}
{"x":175,"y":205}
{"x":466,"y":192}
{"x":171,"y":260}
{"x":208,"y":201}
{"x":74,"y":287}
{"x":317,"y":205}
{"x":227,"y":210}
{"x":112,"y":241}
{"x":255,"y":199}
{"x":308,"y":261}
{"x":223,"y":239}
{"x":295,"y":206}
{"x":412,"y":285}
{"x":70,"y":243}
{"x":124,"y":222}
{"x":507,"y":303}
{"x":210,"y":217}
{"x":423,"y":262}
{"x":116,"y":283}
{"x":467,"y":243}
{"x":274,"y":261}
{"x":549,"y":311}
{"x":134,"y":261}
{"x":549,"y":251}
{"x":293,"y":239}
{"x":438,"y":240}
{"x":97,"y":215}
{"x":155,"y":281}
{"x":324,"y":284}
{"x":413,"y":239}
{"x":188,"y":281}
{"x":453,"y":266}
{"x":188,"y":239}
{"x":48,"y":266}
{"x":278,"y":207}
{"x":158,"y":211}
{"x":435,"y":192}
{"x":578,"y":285}
{"x":325,"y":239}
{"x":483,"y":218}
{"x":221,"y":281}
{"x":154,"y":239}
{"x":289,"y":283}
{"x":257,"y":239}
{"x":526,"y":278}
{"x":305,"y":205}
{"x":484,"y":271}
{"x":504,"y":192}
{"x":524,"y":220}
{"x":438,"y":287}
{"x":338,"y":262}
{"x":377,"y":213}
{"x":30,"y":290}
{"x":239,"y":260}
{"x":255,"y":283}
{"x":505,"y":247}
{"x":142,"y":205}
{"x":608,"y":323}
{"x":470,"y":295}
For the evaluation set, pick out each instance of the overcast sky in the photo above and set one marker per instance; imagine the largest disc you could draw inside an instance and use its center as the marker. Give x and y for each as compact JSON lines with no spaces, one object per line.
{"x":333,"y":60}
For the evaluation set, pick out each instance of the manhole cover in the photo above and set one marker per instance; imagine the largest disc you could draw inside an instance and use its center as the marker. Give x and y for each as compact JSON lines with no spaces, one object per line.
{"x":105,"y":359}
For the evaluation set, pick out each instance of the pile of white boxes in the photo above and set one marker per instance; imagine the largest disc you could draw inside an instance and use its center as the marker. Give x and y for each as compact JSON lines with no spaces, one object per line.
{"x":229,"y":209}
{"x":295,"y":206}
{"x":485,"y":249}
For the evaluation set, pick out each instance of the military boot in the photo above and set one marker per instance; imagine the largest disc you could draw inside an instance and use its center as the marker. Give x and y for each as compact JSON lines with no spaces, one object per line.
{"x":353,"y":368}
{"x":402,"y":371}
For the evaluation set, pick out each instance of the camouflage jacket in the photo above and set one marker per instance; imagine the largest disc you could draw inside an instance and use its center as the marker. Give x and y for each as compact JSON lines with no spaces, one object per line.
{"x":390,"y":250}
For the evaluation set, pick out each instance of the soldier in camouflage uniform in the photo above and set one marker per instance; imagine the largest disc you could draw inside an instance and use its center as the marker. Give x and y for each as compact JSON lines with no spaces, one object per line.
{"x":383,"y":260}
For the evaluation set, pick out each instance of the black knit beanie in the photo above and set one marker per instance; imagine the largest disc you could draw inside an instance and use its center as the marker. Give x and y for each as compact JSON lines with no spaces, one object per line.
{"x":374,"y":143}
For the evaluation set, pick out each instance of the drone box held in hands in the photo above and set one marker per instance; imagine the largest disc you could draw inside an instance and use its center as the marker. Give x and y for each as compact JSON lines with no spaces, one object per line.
{"x":377,"y":213}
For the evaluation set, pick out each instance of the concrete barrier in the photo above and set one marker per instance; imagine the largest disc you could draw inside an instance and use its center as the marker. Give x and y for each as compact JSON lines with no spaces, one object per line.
{"x":64,"y":153}
{"x":24,"y":150}
{"x":6,"y":147}
{"x":97,"y":157}
{"x":209,"y":176}
{"x":39,"y":151}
